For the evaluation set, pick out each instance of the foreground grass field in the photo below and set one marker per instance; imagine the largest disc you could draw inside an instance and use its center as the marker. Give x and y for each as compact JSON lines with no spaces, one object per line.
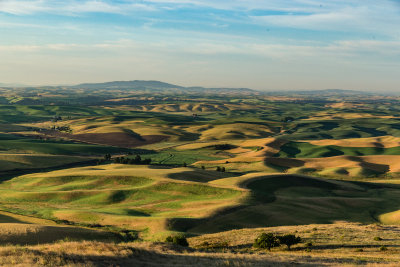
{"x":339,"y":244}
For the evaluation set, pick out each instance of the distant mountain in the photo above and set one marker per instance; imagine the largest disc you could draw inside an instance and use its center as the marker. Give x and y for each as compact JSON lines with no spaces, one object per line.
{"x":157,"y":86}
{"x":137,"y":84}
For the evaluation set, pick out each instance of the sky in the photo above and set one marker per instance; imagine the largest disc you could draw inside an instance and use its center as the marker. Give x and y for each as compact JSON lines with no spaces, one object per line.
{"x":260,"y":44}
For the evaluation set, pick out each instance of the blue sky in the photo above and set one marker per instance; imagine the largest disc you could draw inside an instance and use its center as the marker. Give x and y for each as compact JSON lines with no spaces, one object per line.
{"x":262,"y":44}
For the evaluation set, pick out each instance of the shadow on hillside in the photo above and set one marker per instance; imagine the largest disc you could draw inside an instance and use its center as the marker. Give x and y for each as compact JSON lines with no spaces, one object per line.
{"x":9,"y":219}
{"x":294,"y":200}
{"x":8,"y":175}
{"x":30,"y":234}
{"x":150,"y":257}
{"x":282,"y":164}
{"x":370,"y":169}
{"x":338,"y":246}
{"x":202,"y":176}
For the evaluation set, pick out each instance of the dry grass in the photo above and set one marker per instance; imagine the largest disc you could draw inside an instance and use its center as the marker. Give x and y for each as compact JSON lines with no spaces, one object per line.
{"x":353,"y":166}
{"x":7,"y":217}
{"x":21,"y":234}
{"x":185,"y":108}
{"x":339,"y":244}
{"x":381,"y":141}
{"x":28,"y":161}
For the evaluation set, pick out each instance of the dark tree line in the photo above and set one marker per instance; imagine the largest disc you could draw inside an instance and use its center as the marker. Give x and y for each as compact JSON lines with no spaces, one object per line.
{"x":137,"y":160}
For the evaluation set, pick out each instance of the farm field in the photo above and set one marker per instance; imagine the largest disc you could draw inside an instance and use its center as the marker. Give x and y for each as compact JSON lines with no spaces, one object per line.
{"x":124,"y":171}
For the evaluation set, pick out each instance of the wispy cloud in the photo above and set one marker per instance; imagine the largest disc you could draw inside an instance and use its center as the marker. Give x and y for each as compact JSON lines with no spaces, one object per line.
{"x":17,"y":7}
{"x":379,"y":17}
{"x":341,"y":50}
{"x":23,"y":7}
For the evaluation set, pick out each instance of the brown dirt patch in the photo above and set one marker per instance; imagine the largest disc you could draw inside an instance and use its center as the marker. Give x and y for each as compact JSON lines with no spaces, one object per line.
{"x":119,"y":139}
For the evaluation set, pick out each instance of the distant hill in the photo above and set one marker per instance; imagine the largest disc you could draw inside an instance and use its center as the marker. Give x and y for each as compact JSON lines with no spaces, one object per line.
{"x":12,"y":85}
{"x":156,"y":86}
{"x":326,"y":92}
{"x":137,"y":84}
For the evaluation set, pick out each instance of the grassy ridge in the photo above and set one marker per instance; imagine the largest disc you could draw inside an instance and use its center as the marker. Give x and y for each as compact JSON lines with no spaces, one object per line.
{"x":56,"y":148}
{"x":161,"y":199}
{"x":343,"y":128}
{"x":307,"y":150}
{"x":120,"y":200}
{"x":297,"y":200}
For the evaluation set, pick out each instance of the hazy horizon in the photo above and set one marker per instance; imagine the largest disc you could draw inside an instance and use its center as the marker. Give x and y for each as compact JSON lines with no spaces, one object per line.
{"x":263,"y":45}
{"x":16,"y":85}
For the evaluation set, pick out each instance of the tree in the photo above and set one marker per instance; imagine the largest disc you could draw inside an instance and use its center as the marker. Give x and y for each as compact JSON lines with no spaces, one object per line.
{"x":218,"y":168}
{"x":223,"y":169}
{"x":138,"y":159}
{"x":267,"y":241}
{"x":289,"y":240}
{"x":178,"y":240}
{"x":184,"y":164}
{"x":147,"y":161}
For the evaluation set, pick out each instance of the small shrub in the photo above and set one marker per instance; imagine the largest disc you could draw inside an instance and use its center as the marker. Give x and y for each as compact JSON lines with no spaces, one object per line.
{"x":289,"y":240}
{"x":177,"y":240}
{"x":128,"y":236}
{"x":309,"y":244}
{"x":377,"y":238}
{"x":383,"y":248}
{"x":267,"y":241}
{"x":359,"y":250}
{"x":202,"y":167}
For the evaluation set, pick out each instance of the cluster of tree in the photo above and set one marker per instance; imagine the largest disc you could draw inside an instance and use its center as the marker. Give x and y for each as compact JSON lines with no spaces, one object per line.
{"x":122,"y":160}
{"x":224,"y":146}
{"x":56,"y":118}
{"x":220,"y":169}
{"x":66,"y":129}
{"x":136,"y":160}
{"x":177,"y":240}
{"x":269,"y":240}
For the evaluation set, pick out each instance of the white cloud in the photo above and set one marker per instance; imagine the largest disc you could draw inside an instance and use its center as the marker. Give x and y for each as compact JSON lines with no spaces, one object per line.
{"x":375,"y":18}
{"x":17,"y":7}
{"x":339,"y":50}
{"x":23,"y":7}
